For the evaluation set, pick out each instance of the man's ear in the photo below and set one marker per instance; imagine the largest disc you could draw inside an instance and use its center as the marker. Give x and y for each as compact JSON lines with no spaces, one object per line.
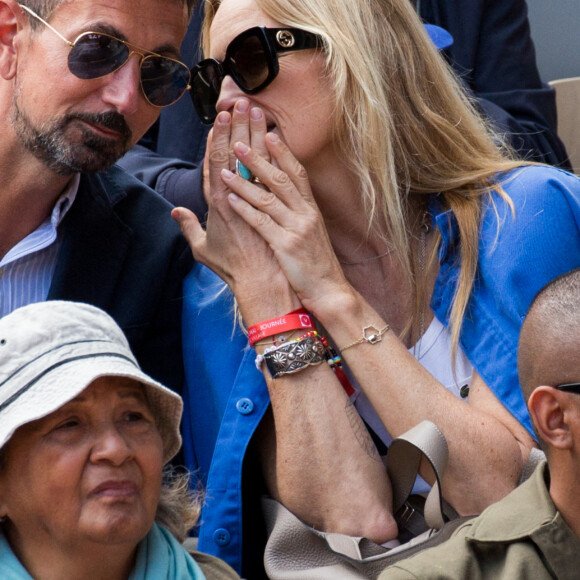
{"x":11,"y":18}
{"x":550,"y":414}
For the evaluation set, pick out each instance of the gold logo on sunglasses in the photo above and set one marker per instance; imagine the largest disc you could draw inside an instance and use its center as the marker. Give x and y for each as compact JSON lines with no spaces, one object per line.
{"x":285,"y":38}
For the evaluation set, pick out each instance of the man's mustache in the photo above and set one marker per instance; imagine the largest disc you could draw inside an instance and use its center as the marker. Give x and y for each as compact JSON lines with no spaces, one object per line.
{"x":110,"y":120}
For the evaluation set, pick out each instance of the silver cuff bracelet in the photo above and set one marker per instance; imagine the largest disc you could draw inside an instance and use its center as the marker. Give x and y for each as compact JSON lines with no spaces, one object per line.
{"x":294,"y":356}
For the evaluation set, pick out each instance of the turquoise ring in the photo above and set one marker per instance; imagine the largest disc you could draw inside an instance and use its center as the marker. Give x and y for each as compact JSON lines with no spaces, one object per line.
{"x":243,"y":171}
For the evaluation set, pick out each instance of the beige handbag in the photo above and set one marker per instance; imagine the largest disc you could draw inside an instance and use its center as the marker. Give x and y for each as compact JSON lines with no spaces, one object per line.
{"x":295,"y":551}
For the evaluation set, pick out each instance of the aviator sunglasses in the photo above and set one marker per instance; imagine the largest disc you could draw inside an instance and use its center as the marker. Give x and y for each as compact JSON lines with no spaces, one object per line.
{"x":252,"y":62}
{"x":569,"y":388}
{"x":95,"y":54}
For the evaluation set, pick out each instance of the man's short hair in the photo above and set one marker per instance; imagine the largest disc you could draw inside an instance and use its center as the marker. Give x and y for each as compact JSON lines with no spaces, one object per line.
{"x":550,"y":335}
{"x":45,"y":8}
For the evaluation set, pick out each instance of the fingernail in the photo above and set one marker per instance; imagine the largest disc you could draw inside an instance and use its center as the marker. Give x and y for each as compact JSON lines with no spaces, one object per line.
{"x":256,"y":114}
{"x":242,"y":147}
{"x":227,"y":174}
{"x":273,"y":138}
{"x":223,"y":118}
{"x":243,"y":106}
{"x":233,"y":196}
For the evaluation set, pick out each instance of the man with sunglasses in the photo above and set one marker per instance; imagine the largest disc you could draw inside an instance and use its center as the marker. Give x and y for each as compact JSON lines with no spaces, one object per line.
{"x":534,"y":532}
{"x":81,"y":82}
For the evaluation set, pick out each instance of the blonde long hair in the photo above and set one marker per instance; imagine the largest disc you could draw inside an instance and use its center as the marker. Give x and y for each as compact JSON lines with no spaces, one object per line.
{"x":406,"y":125}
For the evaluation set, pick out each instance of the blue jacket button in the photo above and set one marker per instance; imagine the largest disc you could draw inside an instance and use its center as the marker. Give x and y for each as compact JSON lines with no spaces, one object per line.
{"x":245,"y":406}
{"x":221,"y":537}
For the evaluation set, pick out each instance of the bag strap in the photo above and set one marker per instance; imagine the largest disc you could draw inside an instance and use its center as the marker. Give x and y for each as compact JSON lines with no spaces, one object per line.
{"x":404,"y":460}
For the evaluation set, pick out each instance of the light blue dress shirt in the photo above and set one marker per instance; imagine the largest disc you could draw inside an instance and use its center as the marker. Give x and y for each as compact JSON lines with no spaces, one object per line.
{"x":26,"y":270}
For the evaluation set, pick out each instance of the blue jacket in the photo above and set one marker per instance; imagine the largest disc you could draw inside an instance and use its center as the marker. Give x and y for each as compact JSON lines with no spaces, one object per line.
{"x":226,"y":396}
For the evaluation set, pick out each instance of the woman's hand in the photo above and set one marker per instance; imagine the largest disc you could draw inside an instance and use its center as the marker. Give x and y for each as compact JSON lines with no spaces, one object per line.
{"x":229,"y":246}
{"x":286,"y":216}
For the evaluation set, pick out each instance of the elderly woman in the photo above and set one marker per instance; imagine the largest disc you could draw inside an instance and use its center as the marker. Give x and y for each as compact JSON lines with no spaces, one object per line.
{"x":84,"y":435}
{"x":371,"y":197}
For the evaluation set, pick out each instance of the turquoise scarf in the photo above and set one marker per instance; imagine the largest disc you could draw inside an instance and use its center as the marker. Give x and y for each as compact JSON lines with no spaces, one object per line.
{"x":159,"y":557}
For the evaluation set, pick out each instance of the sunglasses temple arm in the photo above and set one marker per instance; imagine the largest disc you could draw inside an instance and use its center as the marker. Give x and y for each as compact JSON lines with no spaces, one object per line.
{"x":33,"y":14}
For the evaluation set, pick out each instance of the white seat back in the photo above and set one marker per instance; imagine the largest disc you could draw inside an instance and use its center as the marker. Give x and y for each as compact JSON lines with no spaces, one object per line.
{"x":568,"y":107}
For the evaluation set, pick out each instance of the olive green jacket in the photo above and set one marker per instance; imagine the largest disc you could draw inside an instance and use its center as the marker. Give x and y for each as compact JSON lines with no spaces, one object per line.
{"x":520,"y":537}
{"x":213,"y":568}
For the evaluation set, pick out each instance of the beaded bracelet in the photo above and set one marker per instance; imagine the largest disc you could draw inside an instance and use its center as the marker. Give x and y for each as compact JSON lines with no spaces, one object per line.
{"x":277,"y":340}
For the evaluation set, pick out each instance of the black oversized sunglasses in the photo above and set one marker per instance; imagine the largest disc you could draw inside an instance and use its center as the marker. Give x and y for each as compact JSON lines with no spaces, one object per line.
{"x":94,"y":55}
{"x":252,"y":62}
{"x":569,"y":388}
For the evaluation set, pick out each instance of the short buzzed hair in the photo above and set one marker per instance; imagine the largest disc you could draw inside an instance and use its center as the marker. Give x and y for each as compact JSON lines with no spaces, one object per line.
{"x":549,"y":346}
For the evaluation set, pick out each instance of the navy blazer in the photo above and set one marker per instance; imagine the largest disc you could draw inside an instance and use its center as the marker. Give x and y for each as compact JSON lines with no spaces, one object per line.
{"x":124,"y":253}
{"x":494,"y":54}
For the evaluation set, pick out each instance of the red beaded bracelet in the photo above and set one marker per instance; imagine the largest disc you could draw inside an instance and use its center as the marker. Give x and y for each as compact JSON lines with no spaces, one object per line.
{"x":291,"y":321}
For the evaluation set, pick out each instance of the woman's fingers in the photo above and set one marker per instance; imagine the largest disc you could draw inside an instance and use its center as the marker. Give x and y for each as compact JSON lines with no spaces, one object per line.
{"x":258,"y":130}
{"x":240,"y":127}
{"x":257,"y":199}
{"x":287,"y":163}
{"x":190,"y":228}
{"x":219,"y":155}
{"x":290,"y":187}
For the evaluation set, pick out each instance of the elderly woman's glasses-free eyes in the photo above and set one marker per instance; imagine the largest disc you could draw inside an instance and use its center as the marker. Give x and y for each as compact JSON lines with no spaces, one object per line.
{"x":569,"y":388}
{"x":252,"y":62}
{"x":95,"y":54}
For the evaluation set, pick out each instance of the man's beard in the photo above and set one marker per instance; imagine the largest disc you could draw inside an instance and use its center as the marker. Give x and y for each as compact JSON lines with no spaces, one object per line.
{"x":68,"y":149}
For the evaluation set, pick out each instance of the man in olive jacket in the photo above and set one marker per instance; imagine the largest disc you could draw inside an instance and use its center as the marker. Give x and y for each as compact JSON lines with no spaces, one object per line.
{"x":534,"y":532}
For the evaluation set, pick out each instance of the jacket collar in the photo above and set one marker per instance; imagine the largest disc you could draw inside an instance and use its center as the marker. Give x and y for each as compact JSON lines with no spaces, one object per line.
{"x":528,"y":514}
{"x":95,"y":242}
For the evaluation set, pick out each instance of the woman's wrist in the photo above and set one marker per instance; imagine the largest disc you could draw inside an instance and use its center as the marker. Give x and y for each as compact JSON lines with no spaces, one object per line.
{"x":346,"y":316}
{"x":265,"y":302}
{"x":336,"y":305}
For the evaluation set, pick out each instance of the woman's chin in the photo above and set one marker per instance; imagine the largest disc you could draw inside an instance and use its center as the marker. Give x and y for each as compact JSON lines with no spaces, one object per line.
{"x":117,"y":526}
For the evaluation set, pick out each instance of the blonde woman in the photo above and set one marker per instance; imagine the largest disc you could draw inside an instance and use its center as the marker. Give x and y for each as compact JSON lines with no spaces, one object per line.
{"x":372,"y":196}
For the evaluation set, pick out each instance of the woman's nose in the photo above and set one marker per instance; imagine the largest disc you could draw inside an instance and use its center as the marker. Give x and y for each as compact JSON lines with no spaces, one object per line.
{"x":111,"y":445}
{"x":229,"y":94}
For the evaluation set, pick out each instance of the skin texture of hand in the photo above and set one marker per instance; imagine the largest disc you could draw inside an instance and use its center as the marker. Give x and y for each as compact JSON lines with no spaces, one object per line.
{"x":287,"y":218}
{"x":229,"y":246}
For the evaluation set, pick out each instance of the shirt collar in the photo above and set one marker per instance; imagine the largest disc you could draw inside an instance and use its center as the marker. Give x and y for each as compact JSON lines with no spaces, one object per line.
{"x":65,"y":201}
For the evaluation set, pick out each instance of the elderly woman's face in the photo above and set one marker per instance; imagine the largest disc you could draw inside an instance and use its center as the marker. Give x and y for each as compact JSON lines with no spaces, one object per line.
{"x":87,"y":473}
{"x":297,"y":104}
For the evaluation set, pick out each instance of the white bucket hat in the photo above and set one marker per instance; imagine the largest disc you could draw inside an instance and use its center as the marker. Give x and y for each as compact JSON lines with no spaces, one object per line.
{"x":52,"y":351}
